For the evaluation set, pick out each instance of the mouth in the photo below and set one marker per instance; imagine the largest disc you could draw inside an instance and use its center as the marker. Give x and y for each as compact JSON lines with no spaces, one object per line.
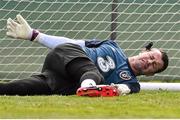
{"x":138,"y":67}
{"x":141,"y":65}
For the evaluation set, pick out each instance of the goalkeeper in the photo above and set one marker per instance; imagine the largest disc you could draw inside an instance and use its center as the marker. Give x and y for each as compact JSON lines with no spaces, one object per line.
{"x":73,"y":64}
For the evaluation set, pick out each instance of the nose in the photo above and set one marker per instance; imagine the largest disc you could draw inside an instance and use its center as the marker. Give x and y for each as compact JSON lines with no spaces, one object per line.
{"x":151,"y":61}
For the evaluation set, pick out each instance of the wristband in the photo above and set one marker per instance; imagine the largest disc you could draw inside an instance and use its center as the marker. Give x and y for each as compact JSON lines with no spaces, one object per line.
{"x":34,"y":35}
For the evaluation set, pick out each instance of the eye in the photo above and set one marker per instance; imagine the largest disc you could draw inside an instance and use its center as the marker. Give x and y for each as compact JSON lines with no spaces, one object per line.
{"x":153,"y":58}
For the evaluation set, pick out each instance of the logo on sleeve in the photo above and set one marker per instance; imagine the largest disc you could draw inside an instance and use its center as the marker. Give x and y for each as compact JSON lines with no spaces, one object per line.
{"x":125,"y":75}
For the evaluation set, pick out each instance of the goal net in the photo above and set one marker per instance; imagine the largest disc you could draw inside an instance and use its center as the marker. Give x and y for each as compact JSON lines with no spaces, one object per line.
{"x":133,"y":23}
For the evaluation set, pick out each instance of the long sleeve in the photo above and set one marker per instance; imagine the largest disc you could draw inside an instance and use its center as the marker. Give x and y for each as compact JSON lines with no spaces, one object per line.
{"x":52,"y":41}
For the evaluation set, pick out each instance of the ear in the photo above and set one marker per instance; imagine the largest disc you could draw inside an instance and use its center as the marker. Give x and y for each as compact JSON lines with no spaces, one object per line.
{"x":160,"y":49}
{"x":144,"y":50}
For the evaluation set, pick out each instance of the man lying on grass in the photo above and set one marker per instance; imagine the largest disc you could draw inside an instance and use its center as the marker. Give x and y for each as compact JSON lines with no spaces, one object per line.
{"x":88,"y":68}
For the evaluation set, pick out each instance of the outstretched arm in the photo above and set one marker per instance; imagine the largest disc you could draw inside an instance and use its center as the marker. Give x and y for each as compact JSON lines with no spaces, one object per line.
{"x":22,"y":30}
{"x":52,"y":41}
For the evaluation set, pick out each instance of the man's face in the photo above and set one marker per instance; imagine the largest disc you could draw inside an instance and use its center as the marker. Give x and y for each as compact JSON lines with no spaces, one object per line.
{"x":148,"y":62}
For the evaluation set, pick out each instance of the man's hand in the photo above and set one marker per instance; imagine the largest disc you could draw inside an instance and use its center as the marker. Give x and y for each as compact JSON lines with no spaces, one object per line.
{"x":123,"y":89}
{"x":19,"y":29}
{"x":98,"y":91}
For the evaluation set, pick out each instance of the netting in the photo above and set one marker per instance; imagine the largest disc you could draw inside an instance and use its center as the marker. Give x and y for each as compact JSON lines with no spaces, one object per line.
{"x":136,"y":22}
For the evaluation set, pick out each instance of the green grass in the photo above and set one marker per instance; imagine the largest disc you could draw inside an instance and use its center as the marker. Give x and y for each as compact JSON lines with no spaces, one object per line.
{"x":147,"y":104}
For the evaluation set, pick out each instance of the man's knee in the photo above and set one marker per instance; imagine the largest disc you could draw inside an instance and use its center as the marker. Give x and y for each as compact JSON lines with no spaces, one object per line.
{"x":93,"y":75}
{"x":83,"y":68}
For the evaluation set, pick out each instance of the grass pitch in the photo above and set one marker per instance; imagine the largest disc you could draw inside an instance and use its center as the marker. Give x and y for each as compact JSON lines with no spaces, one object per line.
{"x":146,"y":104}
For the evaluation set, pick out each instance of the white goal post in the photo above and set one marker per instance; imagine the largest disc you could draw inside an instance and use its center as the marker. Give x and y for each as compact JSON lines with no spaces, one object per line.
{"x":132,"y":23}
{"x":160,"y":86}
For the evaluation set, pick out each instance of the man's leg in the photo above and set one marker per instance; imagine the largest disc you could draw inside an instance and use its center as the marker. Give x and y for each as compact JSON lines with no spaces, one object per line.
{"x":86,"y":72}
{"x":69,"y":66}
{"x":31,"y":86}
{"x":83,"y":68}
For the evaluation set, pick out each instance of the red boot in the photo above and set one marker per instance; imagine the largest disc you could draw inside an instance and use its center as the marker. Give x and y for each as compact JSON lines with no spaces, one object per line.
{"x":97,"y":91}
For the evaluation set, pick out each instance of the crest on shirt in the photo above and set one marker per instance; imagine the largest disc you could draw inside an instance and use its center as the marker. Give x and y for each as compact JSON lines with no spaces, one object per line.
{"x":125,"y":75}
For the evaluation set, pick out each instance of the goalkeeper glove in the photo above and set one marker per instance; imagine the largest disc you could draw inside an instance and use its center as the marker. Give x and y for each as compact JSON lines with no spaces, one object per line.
{"x":20,"y":29}
{"x":97,"y":91}
{"x":123,"y":89}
